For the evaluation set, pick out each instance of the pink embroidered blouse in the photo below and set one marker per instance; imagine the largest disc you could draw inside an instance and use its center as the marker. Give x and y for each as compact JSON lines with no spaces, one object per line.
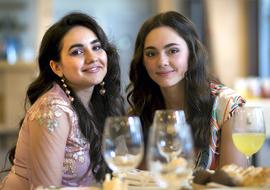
{"x":51,"y":149}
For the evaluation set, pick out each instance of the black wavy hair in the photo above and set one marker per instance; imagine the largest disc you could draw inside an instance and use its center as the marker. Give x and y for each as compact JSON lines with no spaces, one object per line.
{"x":144,"y":94}
{"x":109,"y":104}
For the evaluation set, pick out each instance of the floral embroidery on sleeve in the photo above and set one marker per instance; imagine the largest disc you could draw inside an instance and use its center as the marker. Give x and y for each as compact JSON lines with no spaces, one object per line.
{"x":49,"y":119}
{"x":48,"y":111}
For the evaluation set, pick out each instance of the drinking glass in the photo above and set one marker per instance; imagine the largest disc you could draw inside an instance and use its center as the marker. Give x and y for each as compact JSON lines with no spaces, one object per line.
{"x":170,"y":149}
{"x":248,"y":132}
{"x":122,"y":144}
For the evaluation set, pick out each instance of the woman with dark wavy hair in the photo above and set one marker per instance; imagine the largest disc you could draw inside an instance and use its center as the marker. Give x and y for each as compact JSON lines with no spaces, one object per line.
{"x":78,"y":86}
{"x":168,"y":71}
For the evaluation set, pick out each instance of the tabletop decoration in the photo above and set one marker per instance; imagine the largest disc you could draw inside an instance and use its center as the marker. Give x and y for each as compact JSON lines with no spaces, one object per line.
{"x":114,"y":184}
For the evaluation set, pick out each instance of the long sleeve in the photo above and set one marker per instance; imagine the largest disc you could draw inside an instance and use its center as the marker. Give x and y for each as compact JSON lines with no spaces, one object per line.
{"x":48,"y":133}
{"x":51,"y":150}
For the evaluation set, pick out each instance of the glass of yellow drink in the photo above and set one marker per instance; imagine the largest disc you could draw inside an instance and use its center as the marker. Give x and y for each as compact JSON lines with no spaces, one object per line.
{"x":248,"y":130}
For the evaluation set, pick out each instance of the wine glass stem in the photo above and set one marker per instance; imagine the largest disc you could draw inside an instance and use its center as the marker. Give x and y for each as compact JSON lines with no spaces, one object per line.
{"x":248,"y":161}
{"x":121,"y":176}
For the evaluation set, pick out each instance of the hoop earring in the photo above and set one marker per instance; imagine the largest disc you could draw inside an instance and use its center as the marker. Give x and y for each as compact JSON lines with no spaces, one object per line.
{"x":67,"y":91}
{"x":102,"y":90}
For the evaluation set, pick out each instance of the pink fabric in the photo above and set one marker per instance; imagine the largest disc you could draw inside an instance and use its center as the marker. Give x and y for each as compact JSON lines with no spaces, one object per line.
{"x":51,"y":149}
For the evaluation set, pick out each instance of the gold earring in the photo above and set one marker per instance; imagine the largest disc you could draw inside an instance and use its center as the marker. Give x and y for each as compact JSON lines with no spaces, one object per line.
{"x":67,"y":91}
{"x":102,"y":90}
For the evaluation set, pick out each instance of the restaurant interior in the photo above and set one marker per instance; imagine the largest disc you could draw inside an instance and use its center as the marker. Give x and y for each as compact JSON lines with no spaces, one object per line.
{"x":236,"y":34}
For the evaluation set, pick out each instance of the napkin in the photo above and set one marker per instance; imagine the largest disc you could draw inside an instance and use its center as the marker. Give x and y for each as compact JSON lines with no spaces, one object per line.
{"x":138,"y":177}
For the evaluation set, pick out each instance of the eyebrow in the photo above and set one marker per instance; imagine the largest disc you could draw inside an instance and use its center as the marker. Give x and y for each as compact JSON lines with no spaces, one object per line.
{"x":81,"y":45}
{"x":166,"y":46}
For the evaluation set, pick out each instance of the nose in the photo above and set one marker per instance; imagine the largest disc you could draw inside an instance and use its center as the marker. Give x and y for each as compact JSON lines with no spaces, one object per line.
{"x":90,"y":56}
{"x":163,"y":60}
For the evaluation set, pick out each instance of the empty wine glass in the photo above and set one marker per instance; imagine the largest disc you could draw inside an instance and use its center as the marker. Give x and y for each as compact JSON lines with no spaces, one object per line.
{"x":248,"y":132}
{"x":122,"y":144}
{"x":170,"y":149}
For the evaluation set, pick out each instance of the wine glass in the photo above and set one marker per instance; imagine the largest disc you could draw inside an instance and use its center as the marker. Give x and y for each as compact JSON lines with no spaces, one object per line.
{"x":170,"y":149}
{"x":248,"y":131}
{"x":122,"y":144}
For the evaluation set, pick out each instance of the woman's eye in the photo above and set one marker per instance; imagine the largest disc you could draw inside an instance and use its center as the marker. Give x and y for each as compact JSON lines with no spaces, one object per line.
{"x":173,"y":51}
{"x":150,"y":53}
{"x":97,"y":47}
{"x":76,"y":52}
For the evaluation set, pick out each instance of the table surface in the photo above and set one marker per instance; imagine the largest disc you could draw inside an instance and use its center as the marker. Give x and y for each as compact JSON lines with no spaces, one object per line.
{"x":196,"y":187}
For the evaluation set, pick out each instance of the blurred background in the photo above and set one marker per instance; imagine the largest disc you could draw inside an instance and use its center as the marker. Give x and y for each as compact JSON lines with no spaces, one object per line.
{"x":235,"y":32}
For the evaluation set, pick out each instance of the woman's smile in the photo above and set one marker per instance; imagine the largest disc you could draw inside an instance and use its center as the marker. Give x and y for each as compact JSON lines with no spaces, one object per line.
{"x":92,"y":69}
{"x":165,"y":73}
